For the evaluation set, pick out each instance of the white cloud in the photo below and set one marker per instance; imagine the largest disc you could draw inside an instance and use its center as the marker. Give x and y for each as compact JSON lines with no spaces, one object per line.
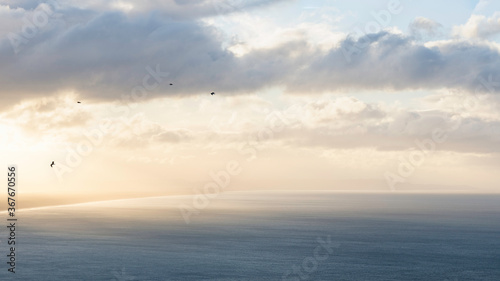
{"x":479,"y":26}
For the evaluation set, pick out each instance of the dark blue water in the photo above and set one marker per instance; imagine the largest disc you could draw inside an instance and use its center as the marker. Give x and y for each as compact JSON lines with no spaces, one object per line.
{"x":262,"y":236}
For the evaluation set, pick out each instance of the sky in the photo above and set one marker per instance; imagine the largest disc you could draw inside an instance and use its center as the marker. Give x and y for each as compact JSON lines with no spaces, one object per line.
{"x":332,"y":95}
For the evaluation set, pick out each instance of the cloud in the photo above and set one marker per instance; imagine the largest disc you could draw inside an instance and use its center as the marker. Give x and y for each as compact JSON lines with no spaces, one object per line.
{"x":174,"y":136}
{"x":426,"y":28}
{"x":298,"y":125}
{"x":486,"y":7}
{"x":396,"y":62}
{"x":48,"y":116}
{"x":479,"y":26}
{"x":178,"y":9}
{"x":106,"y":55}
{"x":399,"y":132}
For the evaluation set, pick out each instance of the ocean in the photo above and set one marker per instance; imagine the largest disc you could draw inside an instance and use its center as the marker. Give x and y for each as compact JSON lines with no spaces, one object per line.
{"x":262,"y":236}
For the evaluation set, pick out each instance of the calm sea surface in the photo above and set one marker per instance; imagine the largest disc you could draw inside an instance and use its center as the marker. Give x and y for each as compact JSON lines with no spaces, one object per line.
{"x":262,"y":236}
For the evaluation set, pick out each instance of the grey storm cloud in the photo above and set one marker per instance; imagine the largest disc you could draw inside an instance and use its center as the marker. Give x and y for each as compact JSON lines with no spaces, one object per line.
{"x":104,"y":55}
{"x":176,"y":9}
{"x":392,"y":61}
{"x":109,"y":54}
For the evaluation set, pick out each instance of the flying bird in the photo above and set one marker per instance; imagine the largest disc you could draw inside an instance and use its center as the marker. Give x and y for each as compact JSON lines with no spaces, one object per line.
{"x":212,"y":93}
{"x":52,"y":164}
{"x":78,"y":102}
{"x":171,"y":84}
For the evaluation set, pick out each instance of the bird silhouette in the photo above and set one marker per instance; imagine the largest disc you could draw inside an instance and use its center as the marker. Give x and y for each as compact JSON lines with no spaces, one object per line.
{"x":52,"y":164}
{"x":171,"y":84}
{"x":212,"y":93}
{"x":78,"y":102}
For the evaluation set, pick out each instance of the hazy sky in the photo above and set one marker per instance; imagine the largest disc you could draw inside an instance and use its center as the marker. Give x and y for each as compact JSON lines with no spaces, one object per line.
{"x":387,"y":95}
